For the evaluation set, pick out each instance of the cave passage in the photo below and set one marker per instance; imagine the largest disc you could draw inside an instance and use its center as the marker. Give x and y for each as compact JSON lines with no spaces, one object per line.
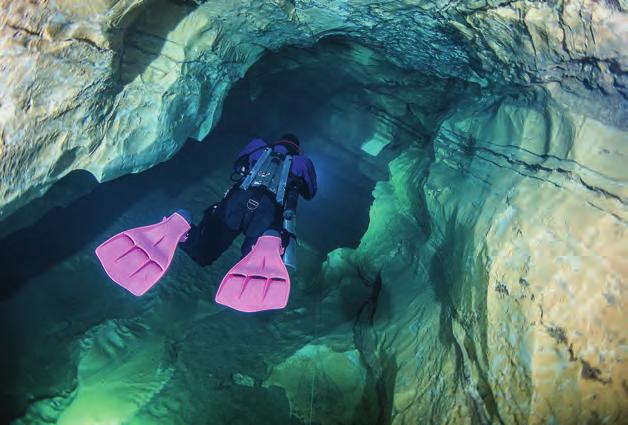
{"x":326,"y":95}
{"x":464,"y":260}
{"x":353,"y":111}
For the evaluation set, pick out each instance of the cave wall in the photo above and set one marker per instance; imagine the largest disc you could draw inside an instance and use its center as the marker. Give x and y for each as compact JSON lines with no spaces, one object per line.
{"x":548,"y":255}
{"x":504,"y":274}
{"x":115,"y":87}
{"x":497,"y":249}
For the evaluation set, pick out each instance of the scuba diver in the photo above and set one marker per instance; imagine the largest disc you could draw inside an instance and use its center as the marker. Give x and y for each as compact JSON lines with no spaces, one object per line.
{"x":262,"y":204}
{"x":263,"y":201}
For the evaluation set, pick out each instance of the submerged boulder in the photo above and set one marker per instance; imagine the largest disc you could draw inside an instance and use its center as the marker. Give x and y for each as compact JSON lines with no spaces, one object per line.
{"x":321,"y":384}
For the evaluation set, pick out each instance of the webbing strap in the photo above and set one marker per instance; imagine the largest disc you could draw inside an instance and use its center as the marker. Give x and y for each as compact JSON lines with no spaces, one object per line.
{"x":258,"y":165}
{"x":283,"y":179}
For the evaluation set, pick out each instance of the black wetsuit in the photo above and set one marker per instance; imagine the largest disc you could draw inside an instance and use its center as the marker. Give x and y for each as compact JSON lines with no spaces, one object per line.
{"x":251,"y":212}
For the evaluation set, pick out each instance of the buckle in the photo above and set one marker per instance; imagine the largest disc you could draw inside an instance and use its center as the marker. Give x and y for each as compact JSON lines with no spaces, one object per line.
{"x":252,"y":204}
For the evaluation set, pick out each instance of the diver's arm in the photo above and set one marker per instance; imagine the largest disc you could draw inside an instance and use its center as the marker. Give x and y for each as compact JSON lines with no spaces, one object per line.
{"x":292,"y":199}
{"x":309,"y":186}
{"x":242,"y":160}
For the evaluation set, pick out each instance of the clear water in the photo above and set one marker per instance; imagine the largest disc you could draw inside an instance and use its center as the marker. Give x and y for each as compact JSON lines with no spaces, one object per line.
{"x":79,"y":350}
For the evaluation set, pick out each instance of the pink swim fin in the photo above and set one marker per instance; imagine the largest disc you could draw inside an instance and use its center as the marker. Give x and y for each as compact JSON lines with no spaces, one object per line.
{"x":259,"y":281}
{"x":136,"y":259}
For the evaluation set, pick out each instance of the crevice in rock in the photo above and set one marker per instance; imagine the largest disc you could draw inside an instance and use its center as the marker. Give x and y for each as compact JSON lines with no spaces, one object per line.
{"x":531,"y":170}
{"x":593,"y":373}
{"x":448,"y":276}
{"x":89,"y":43}
{"x":19,"y":28}
{"x":381,"y":368}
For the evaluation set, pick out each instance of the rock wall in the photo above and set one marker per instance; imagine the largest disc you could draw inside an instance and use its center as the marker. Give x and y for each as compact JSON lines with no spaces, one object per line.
{"x":493,"y":268}
{"x":115,"y":87}
{"x":548,"y":254}
{"x":504,"y":277}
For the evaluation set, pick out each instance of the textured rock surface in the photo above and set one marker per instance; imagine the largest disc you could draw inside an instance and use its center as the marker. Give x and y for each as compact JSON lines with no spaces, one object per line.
{"x":490,"y":286}
{"x":333,"y":391}
{"x":510,"y":298}
{"x":114,"y":87}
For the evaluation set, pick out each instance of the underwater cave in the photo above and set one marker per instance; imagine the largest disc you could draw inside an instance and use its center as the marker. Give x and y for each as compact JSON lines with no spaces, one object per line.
{"x":464,"y":259}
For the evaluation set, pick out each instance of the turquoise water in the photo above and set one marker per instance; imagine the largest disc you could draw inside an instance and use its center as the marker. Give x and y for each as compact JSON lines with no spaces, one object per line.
{"x":79,"y":350}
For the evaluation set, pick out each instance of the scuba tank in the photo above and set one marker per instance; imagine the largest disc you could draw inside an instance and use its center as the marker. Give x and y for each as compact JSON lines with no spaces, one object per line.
{"x":290,"y":227}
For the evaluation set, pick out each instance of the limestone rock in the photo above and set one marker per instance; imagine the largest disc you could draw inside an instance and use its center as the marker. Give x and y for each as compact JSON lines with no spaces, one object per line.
{"x":510,"y":299}
{"x":115,"y":87}
{"x":322,"y":385}
{"x":498,"y":242}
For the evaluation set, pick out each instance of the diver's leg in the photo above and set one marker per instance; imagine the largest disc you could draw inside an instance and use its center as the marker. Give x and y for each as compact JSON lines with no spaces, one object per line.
{"x":207,"y":241}
{"x":247,"y":245}
{"x":265,"y":218}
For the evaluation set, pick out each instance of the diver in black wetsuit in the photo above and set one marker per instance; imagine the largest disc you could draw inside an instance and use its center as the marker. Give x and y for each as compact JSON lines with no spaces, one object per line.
{"x":263,"y":201}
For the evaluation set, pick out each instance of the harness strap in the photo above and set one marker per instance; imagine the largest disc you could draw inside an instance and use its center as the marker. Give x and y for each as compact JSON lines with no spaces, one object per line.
{"x":258,"y":165}
{"x":283,"y":179}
